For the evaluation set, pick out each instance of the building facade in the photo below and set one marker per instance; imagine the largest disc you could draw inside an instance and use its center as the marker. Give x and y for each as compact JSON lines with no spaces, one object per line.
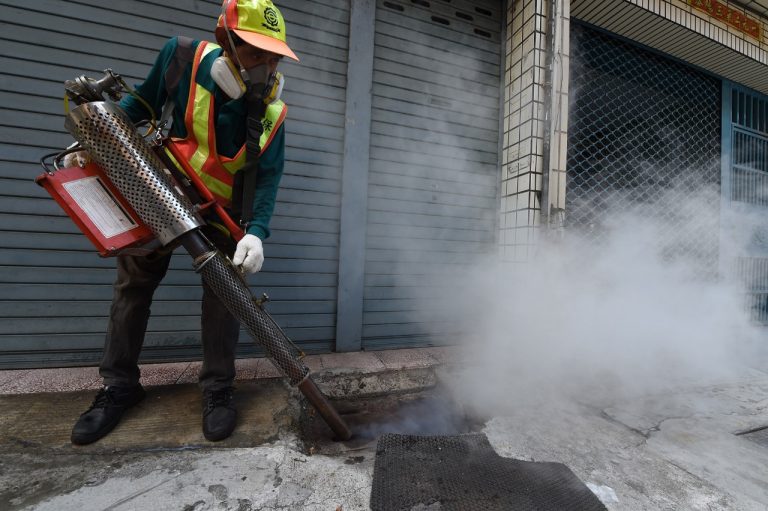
{"x":421,"y":135}
{"x":612,"y":104}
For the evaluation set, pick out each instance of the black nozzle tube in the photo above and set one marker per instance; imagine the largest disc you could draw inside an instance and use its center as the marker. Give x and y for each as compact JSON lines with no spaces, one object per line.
{"x":225,"y":280}
{"x":195,"y":243}
{"x":324,"y":408}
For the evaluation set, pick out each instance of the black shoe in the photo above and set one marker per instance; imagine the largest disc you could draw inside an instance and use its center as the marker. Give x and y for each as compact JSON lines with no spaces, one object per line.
{"x":219,"y":414}
{"x":105,"y":412}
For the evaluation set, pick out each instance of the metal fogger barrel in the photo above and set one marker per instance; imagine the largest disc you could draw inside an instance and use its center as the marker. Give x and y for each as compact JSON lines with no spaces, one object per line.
{"x":129,"y":162}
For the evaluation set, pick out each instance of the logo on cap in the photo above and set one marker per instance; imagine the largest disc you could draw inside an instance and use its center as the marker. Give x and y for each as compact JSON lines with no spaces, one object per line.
{"x":271,"y":16}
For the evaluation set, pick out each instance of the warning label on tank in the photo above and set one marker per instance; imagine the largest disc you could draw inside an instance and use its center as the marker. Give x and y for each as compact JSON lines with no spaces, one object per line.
{"x":101,"y":207}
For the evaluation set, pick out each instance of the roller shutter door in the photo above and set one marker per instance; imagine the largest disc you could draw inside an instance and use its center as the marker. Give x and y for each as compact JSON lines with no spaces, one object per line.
{"x":54,"y":290}
{"x":434,"y":174}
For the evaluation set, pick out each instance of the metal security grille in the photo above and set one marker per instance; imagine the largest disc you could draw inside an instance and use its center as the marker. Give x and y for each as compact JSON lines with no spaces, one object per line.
{"x":644,"y":133}
{"x":434,"y":173}
{"x":749,"y":178}
{"x":747,"y":189}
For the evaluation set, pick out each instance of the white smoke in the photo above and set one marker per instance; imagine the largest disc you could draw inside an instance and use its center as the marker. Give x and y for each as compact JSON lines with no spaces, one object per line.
{"x":633,"y":314}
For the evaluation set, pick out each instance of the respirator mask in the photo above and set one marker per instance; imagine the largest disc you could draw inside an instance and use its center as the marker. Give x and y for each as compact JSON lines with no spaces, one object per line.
{"x":236,"y":81}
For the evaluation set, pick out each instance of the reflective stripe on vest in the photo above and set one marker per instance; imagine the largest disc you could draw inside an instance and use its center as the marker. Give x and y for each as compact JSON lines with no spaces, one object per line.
{"x":199,"y":146}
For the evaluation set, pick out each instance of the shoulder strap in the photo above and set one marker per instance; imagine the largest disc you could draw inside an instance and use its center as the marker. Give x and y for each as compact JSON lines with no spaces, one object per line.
{"x":184,"y":54}
{"x":254,"y":129}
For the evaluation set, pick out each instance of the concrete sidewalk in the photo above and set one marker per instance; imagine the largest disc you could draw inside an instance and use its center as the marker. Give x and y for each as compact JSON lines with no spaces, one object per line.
{"x":680,"y":450}
{"x":24,"y":381}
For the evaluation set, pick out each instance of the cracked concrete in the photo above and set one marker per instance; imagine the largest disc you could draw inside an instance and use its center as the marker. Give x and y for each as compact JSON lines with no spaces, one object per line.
{"x":276,"y":476}
{"x":677,"y":450}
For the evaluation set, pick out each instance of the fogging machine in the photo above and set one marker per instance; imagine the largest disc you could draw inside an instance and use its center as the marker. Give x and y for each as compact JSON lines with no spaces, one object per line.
{"x":130,"y":199}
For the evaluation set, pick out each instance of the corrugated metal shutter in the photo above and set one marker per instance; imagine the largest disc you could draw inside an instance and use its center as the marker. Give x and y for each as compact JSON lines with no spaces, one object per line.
{"x":433,"y":182}
{"x":54,"y":290}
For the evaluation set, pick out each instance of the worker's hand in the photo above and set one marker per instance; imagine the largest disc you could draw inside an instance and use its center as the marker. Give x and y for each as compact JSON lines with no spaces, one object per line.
{"x":76,"y":159}
{"x":249,"y":254}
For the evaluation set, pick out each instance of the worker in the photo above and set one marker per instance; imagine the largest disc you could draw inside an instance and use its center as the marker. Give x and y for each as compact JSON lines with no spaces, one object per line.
{"x":227,"y":119}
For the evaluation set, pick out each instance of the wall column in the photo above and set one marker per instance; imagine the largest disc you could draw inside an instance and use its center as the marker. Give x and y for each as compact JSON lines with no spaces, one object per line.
{"x":525,"y":121}
{"x":354,"y":188}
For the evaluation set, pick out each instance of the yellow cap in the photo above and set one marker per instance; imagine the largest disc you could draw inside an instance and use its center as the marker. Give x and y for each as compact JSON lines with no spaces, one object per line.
{"x":258,"y":23}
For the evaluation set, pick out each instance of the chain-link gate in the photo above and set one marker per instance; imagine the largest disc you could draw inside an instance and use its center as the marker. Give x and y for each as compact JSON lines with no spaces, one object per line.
{"x":644,"y":133}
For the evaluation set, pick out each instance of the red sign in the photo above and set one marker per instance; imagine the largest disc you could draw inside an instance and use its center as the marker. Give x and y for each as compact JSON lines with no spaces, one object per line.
{"x":734,"y":18}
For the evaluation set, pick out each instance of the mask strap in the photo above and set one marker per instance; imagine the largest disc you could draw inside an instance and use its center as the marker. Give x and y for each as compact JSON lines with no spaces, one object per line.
{"x":243,"y":73}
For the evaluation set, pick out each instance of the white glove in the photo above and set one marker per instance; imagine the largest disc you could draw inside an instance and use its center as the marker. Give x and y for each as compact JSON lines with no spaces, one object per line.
{"x":76,"y":159}
{"x":249,"y":253}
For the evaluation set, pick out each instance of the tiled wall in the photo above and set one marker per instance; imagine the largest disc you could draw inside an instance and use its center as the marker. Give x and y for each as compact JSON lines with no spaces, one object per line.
{"x":524,"y":124}
{"x":681,"y":12}
{"x":523,"y":148}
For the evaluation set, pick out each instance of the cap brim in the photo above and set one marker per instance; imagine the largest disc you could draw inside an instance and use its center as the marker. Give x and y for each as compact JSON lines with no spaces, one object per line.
{"x":266,"y":43}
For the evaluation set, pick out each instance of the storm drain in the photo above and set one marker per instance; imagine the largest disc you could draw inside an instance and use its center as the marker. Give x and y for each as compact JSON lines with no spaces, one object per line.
{"x":463,"y":472}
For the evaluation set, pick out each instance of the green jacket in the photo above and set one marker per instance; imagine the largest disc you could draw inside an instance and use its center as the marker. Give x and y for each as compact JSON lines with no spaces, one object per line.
{"x":230,"y":125}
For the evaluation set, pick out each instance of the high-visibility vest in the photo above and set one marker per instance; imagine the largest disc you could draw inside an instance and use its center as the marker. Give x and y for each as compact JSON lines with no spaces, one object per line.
{"x":199,"y":146}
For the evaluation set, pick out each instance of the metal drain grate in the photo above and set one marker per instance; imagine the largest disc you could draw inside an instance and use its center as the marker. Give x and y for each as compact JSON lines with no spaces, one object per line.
{"x":463,"y":472}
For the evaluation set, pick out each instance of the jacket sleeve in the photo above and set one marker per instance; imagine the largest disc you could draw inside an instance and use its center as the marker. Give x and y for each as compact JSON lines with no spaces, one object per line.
{"x":153,"y":89}
{"x":267,"y":181}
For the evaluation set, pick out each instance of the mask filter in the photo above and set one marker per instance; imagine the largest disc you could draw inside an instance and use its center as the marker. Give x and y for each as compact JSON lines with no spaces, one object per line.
{"x":276,"y":90}
{"x":227,"y":77}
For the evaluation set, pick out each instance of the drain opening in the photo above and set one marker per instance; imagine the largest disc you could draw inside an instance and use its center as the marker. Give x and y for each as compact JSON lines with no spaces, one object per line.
{"x":431,"y":412}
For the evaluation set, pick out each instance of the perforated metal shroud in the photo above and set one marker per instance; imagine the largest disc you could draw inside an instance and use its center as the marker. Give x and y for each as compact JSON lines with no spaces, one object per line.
{"x":463,"y":472}
{"x":105,"y":131}
{"x":232,"y":290}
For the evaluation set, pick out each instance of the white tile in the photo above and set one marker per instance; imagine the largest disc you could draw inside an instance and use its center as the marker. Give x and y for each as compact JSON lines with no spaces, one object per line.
{"x":533,"y":199}
{"x":529,"y":27}
{"x":518,"y":6}
{"x":517,"y":36}
{"x":517,"y":54}
{"x":537,"y":163}
{"x":522,"y":218}
{"x":526,"y":129}
{"x":509,"y":219}
{"x":527,"y":78}
{"x":513,"y":152}
{"x":529,"y":10}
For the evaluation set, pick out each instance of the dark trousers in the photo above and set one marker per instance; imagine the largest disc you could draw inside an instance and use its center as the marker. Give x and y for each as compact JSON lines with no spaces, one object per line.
{"x":137,"y":279}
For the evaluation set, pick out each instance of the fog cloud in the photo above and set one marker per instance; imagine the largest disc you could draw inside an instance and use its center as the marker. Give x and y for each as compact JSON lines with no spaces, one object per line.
{"x":640,"y":311}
